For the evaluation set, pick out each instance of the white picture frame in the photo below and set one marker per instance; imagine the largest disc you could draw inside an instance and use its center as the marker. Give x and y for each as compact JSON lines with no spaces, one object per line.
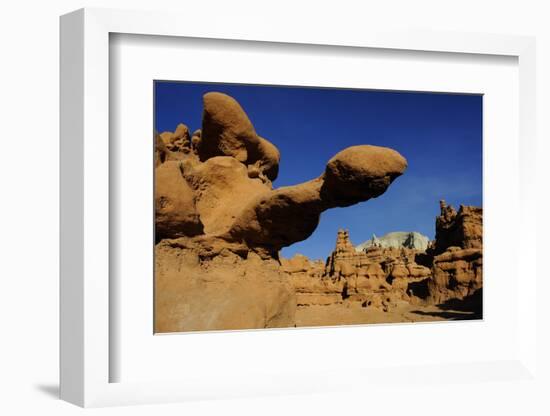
{"x":85,"y":267}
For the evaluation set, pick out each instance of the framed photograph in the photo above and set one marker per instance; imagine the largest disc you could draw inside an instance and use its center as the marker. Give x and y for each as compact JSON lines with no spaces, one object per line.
{"x":237,"y":208}
{"x":240,"y":245}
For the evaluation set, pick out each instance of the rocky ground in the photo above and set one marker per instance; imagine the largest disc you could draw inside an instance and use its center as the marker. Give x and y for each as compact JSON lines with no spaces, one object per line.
{"x":353,"y":313}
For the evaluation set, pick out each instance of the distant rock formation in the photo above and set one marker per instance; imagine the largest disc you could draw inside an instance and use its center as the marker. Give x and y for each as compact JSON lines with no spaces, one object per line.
{"x":397,"y":239}
{"x":461,"y":229}
{"x":220,"y":224}
{"x":376,"y":277}
{"x":382,"y":277}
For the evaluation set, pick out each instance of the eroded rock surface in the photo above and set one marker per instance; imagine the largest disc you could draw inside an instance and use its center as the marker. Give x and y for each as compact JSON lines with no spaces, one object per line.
{"x":384,"y":276}
{"x":220,"y":224}
{"x":376,"y":277}
{"x":458,"y":253}
{"x":459,"y":229}
{"x":223,"y":292}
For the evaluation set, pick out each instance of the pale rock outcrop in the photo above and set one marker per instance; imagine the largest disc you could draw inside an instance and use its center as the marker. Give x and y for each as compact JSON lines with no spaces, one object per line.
{"x":397,"y":239}
{"x":359,"y":173}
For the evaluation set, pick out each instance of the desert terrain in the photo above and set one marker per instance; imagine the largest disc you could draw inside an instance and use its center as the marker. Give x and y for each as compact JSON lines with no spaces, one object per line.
{"x":220,"y":226}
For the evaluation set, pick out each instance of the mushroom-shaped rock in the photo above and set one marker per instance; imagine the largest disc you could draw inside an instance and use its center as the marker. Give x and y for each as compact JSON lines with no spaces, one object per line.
{"x":218,"y":218}
{"x":362,"y":172}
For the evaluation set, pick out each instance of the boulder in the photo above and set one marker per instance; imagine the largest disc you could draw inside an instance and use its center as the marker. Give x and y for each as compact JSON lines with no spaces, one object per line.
{"x":226,"y":129}
{"x":359,"y":173}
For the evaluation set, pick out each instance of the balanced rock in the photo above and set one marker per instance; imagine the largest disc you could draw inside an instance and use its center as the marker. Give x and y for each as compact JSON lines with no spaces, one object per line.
{"x":220,"y":224}
{"x":362,"y":172}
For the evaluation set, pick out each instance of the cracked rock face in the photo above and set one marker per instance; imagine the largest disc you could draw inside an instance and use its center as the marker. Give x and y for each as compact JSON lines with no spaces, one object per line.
{"x":215,"y":206}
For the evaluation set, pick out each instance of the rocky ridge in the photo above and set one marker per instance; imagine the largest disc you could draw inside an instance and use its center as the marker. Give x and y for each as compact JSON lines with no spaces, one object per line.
{"x":385,"y":277}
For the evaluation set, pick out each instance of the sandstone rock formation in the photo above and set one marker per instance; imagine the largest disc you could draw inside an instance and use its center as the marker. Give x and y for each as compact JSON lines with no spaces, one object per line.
{"x":458,"y":254}
{"x":308,"y":279}
{"x":278,"y":218}
{"x":178,"y":141}
{"x":220,"y":224}
{"x":376,"y":277}
{"x":383,"y":276}
{"x":461,"y":229}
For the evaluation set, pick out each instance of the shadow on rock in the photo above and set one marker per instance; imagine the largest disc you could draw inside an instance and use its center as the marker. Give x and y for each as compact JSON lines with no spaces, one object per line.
{"x":469,"y":308}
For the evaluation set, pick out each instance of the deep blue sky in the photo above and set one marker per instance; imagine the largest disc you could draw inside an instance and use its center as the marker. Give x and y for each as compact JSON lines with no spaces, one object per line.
{"x":440,"y":135}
